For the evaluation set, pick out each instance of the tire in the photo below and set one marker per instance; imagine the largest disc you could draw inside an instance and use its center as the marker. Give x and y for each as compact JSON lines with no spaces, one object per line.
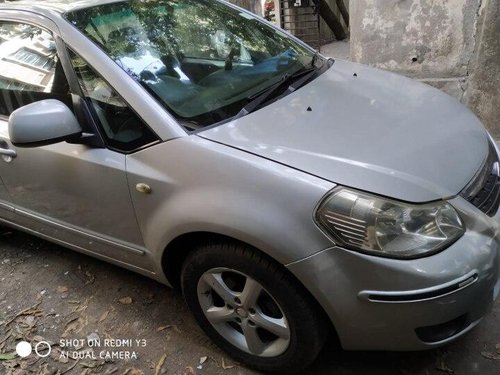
{"x":252,"y":308}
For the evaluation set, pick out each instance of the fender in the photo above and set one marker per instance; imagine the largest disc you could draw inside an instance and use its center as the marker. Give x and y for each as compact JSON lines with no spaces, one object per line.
{"x":249,"y":199}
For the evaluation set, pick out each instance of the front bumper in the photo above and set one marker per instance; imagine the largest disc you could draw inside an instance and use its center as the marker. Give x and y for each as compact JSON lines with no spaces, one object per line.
{"x":387,"y":304}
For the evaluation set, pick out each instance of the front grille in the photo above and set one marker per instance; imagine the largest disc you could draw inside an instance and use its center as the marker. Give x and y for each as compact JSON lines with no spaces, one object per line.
{"x":484,"y":189}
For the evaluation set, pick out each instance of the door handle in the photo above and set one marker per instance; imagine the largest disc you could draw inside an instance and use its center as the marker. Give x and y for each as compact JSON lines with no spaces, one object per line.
{"x":8,"y":152}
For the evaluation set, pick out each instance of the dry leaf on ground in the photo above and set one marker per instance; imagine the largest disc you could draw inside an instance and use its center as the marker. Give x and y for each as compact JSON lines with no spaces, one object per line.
{"x":225,"y":366}
{"x":104,"y":316}
{"x":7,"y":356}
{"x":74,"y":325}
{"x":125,"y":300}
{"x":132,"y":371}
{"x":160,"y":364}
{"x":174,"y":327}
{"x":443,"y":367}
{"x":490,"y":355}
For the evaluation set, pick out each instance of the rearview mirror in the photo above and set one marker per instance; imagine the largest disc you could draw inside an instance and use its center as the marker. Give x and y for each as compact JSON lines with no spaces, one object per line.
{"x":42,"y":123}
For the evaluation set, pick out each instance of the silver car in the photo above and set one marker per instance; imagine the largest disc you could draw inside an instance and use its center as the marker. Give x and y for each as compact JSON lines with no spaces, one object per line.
{"x":289,"y":196}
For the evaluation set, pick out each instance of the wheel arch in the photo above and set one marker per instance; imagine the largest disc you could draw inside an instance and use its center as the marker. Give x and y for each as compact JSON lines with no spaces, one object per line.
{"x":180,"y":247}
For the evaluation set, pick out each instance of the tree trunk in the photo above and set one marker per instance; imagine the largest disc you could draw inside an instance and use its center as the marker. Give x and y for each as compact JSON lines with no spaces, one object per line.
{"x":343,"y":11}
{"x":331,"y":19}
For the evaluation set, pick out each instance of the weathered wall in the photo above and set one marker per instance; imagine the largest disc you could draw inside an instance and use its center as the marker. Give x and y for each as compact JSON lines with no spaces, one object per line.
{"x":483,"y":91}
{"x":450,"y":44}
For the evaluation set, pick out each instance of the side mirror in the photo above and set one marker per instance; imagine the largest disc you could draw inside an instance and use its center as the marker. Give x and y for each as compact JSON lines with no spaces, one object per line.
{"x":42,"y":123}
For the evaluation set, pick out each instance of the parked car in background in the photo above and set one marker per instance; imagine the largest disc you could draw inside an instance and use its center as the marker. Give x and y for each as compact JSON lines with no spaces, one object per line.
{"x":289,"y":196}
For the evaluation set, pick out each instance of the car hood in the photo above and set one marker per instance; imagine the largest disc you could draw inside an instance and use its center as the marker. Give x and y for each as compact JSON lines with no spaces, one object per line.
{"x":368,"y":129}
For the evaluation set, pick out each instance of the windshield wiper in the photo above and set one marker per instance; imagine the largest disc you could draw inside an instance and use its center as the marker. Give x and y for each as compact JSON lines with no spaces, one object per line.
{"x":307,"y":75}
{"x":261,"y":97}
{"x":315,"y":58}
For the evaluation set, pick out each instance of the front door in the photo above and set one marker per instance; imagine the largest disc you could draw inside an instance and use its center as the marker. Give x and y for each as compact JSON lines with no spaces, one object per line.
{"x":71,"y":192}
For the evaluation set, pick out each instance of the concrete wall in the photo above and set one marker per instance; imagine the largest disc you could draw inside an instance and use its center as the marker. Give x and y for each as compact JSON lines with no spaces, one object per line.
{"x":483,"y":91}
{"x":451,"y":44}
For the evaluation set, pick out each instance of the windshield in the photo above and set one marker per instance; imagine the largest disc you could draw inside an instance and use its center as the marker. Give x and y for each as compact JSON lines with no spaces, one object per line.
{"x":201,"y":59}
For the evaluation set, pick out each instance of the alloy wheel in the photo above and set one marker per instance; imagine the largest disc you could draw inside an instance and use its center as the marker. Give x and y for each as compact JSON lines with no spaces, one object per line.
{"x":243,"y":312}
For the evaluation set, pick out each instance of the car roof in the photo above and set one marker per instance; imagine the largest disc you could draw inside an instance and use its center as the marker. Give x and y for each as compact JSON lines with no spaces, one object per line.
{"x":51,"y":7}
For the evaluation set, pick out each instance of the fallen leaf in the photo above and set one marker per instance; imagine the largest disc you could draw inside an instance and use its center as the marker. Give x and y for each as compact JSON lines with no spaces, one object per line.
{"x":203,"y":360}
{"x":489,"y":355}
{"x":29,"y":311}
{"x":132,"y":371}
{"x":226,"y":367}
{"x":173,"y":326}
{"x":125,"y":300}
{"x":80,"y":307}
{"x":160,"y":364}
{"x":62,"y":289}
{"x":6,"y":337}
{"x":74,"y":325}
{"x":70,"y":368}
{"x":89,"y":364}
{"x":103,"y":317}
{"x":7,"y":356}
{"x":443,"y":367}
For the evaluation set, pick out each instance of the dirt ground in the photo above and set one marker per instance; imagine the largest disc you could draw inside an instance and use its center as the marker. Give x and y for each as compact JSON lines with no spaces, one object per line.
{"x":49,"y":294}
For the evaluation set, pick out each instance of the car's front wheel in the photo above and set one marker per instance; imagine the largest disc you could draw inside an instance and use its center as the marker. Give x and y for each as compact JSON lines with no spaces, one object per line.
{"x":252,"y":308}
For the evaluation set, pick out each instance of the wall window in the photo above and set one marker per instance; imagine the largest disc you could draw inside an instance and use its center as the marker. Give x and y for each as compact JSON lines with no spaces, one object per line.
{"x":30,"y":69}
{"x":33,"y":58}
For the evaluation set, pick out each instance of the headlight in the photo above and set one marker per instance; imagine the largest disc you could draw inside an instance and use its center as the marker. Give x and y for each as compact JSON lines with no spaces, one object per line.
{"x":385,"y":227}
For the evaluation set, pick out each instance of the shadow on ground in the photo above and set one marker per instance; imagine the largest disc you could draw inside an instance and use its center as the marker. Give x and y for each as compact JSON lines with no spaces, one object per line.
{"x":50,"y":294}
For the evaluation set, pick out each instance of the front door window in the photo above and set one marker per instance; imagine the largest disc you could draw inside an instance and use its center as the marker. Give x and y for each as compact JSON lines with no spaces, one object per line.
{"x":30,"y":69}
